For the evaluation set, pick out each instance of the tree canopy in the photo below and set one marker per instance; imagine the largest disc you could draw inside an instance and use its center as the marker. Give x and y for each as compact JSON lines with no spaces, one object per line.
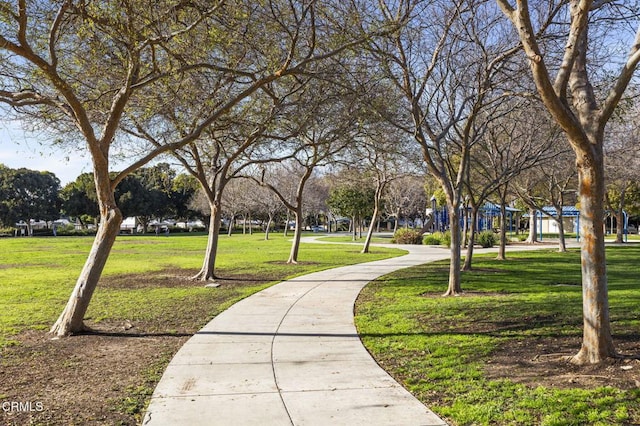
{"x":28,"y":194}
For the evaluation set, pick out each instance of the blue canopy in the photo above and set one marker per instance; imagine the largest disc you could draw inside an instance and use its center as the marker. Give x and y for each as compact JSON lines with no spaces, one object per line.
{"x":567,"y":211}
{"x":495,"y":208}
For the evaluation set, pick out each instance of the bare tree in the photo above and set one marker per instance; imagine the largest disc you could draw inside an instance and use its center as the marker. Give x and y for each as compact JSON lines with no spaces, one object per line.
{"x":515,"y":141}
{"x":622,"y":164}
{"x":566,"y":88}
{"x":528,"y":187}
{"x":238,"y":200}
{"x":378,"y":156}
{"x":316,"y":152}
{"x":561,"y":187}
{"x":218,"y":160}
{"x":447,"y":65}
{"x":404,"y":197}
{"x":549,"y":184}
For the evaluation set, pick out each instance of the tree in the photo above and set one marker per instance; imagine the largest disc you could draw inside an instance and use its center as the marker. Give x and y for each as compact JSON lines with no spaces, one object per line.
{"x":79,"y":198}
{"x":353,"y":200}
{"x":514,"y":142}
{"x":378,"y":156}
{"x":302,"y":169}
{"x":28,"y":194}
{"x":561,"y":186}
{"x":622,"y":152}
{"x":217,"y":160}
{"x":404,"y":196}
{"x":90,"y":70}
{"x":183,"y":188}
{"x":315,"y":208}
{"x":238,"y":200}
{"x":528,"y":186}
{"x":446,"y":67}
{"x":77,"y":68}
{"x":281,"y":42}
{"x":267,"y":204}
{"x":147,"y":193}
{"x":567,"y":90}
{"x":323,"y":119}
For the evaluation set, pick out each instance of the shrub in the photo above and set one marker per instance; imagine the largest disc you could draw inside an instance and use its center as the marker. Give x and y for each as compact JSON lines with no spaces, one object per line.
{"x":446,"y":239}
{"x":432,"y":239}
{"x":438,"y":239}
{"x":487,"y":239}
{"x":407,"y":236}
{"x":70,"y":230}
{"x":7,"y":232}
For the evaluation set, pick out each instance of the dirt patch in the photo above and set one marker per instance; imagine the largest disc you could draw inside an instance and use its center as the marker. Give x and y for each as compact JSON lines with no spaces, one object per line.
{"x":282,"y":262}
{"x":545,"y":362}
{"x":176,"y":277}
{"x":170,"y":277}
{"x":104,"y":377}
{"x":88,"y":379}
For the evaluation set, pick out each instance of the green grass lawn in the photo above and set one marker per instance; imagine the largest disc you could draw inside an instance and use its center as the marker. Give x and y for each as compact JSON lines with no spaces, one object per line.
{"x":442,"y":349}
{"x":38,"y":274}
{"x":349,"y":239}
{"x":630,"y":237}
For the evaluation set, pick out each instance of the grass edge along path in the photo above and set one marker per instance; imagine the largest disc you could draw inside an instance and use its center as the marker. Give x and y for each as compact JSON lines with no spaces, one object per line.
{"x":458,"y":355}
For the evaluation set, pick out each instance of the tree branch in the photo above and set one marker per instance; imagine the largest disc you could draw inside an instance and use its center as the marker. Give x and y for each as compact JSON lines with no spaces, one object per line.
{"x":53,"y":34}
{"x":557,"y":104}
{"x":626,"y":73}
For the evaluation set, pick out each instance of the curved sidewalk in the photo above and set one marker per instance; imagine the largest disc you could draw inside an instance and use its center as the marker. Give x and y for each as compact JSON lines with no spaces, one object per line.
{"x":290,"y":355}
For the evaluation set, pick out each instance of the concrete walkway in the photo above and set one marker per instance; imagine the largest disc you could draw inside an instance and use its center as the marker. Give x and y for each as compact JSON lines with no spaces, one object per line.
{"x":290,"y":355}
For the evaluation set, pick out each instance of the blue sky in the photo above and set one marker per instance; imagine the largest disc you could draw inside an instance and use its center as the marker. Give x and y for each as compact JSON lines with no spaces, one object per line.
{"x":20,"y":149}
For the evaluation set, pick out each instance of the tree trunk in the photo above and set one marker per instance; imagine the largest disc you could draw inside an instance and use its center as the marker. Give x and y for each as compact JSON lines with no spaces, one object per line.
{"x":533,"y":228}
{"x":562,"y":244}
{"x":597,"y":343}
{"x":354,"y":235}
{"x":502,"y":250}
{"x":266,"y":231}
{"x":207,"y":272}
{"x":454,"y":266}
{"x":620,"y":217}
{"x":465,"y":228}
{"x":71,"y":319}
{"x":472,"y":238}
{"x":395,"y":224}
{"x":374,"y":219}
{"x":286,"y":224}
{"x":295,"y":245}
